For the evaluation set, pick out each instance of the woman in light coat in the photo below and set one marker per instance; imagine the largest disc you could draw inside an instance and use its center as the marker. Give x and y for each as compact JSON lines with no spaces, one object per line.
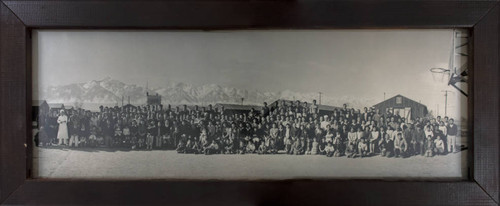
{"x":62,"y":133}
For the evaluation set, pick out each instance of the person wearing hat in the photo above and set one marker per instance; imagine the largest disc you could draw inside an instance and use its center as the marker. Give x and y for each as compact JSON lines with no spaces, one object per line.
{"x":62,"y":133}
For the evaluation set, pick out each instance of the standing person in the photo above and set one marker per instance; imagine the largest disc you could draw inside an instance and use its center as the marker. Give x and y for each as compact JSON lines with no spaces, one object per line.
{"x":108,"y":132}
{"x":141,"y":134}
{"x":419,"y":137}
{"x":74,"y":133}
{"x":374,"y":139}
{"x":314,"y":108}
{"x":443,"y":129}
{"x":265,"y":110}
{"x":287,"y":140}
{"x":133,"y":134}
{"x":159,"y":138}
{"x":452,"y":136}
{"x":407,"y":135}
{"x":62,"y":133}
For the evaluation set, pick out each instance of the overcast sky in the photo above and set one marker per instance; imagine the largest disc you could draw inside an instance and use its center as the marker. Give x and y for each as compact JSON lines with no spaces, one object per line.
{"x":364,"y":63}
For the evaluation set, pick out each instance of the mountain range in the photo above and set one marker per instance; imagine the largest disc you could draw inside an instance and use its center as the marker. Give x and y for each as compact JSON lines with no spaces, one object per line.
{"x":111,"y":91}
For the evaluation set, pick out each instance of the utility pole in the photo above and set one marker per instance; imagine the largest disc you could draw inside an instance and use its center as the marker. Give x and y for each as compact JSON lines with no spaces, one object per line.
{"x":320,"y":97}
{"x":384,"y":96}
{"x":445,"y":102}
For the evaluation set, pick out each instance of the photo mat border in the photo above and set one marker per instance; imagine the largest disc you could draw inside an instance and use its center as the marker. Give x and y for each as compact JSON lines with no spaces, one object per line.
{"x":17,"y":18}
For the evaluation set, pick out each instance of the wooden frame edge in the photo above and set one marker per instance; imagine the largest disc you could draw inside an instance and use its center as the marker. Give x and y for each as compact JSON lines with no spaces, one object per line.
{"x":14,"y":46}
{"x":486,"y":124}
{"x":12,"y":102}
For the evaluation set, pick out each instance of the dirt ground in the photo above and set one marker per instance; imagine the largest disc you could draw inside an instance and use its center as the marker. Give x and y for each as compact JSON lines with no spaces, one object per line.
{"x":58,"y":162}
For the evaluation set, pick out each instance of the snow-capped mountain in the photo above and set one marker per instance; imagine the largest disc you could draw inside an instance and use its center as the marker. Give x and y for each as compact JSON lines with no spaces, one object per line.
{"x":110,"y":91}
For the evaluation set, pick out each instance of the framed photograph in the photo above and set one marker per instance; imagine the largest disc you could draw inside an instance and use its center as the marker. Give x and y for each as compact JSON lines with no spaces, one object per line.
{"x":270,"y":102}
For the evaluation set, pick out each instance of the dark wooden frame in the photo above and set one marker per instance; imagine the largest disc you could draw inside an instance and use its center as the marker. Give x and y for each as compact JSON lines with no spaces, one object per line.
{"x":17,"y":18}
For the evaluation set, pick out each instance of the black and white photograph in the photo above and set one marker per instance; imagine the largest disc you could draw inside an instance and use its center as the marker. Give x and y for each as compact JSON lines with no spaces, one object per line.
{"x":250,"y":104}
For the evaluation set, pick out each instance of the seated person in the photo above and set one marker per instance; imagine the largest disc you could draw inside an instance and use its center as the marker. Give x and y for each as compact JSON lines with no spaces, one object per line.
{"x":400,"y":146}
{"x":329,"y":149}
{"x":386,"y":146}
{"x":250,"y":148}
{"x":315,"y":147}
{"x":363,"y":148}
{"x":181,"y":147}
{"x":439,"y":146}
{"x":429,"y":147}
{"x":93,"y":137}
{"x":337,"y":145}
{"x":228,"y":146}
{"x":212,"y":148}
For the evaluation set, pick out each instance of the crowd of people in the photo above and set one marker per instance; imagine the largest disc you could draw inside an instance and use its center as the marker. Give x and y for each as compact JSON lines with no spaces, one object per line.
{"x":290,"y":127}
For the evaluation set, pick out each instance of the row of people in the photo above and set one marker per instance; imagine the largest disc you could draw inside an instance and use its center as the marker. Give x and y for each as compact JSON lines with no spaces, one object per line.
{"x":342,"y":132}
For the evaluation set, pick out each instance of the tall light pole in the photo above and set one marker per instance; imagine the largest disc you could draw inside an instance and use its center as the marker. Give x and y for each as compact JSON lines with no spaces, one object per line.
{"x":445,"y":102}
{"x":320,"y":97}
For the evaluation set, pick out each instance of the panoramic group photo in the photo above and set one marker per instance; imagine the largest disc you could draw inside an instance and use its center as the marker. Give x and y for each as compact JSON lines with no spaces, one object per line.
{"x":251,"y":104}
